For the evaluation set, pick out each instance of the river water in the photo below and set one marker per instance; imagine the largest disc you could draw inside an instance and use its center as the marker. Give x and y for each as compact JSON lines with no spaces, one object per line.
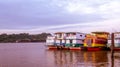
{"x":36,"y":55}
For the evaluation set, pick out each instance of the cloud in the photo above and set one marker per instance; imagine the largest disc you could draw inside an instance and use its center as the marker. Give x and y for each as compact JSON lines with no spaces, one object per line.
{"x":106,"y":25}
{"x":37,"y":16}
{"x":104,"y":8}
{"x":79,"y":8}
{"x":110,"y":9}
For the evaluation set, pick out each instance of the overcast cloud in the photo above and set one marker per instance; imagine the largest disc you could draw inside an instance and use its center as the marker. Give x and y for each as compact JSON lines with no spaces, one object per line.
{"x":36,"y":16}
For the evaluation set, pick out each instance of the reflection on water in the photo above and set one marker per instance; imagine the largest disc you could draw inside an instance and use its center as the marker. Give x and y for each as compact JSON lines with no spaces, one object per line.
{"x":35,"y":55}
{"x":96,"y":59}
{"x":78,"y":58}
{"x":117,"y":59}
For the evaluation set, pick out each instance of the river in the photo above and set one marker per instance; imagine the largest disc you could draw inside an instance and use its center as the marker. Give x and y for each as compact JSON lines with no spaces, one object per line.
{"x":36,"y":55}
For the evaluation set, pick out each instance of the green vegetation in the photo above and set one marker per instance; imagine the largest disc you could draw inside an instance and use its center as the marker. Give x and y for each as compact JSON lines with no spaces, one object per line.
{"x":23,"y":37}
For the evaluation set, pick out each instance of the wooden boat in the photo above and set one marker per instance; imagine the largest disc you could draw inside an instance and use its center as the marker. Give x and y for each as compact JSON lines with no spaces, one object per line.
{"x":96,"y":41}
{"x":60,"y":40}
{"x":57,"y":41}
{"x":116,"y":41}
{"x":50,"y":42}
{"x":74,"y":40}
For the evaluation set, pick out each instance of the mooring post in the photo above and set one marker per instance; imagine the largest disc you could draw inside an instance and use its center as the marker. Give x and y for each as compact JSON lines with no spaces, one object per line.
{"x":112,"y":49}
{"x":112,"y":45}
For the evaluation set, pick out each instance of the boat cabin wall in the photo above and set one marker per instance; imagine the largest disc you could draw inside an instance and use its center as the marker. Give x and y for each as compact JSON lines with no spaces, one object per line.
{"x":88,"y":42}
{"x":102,"y":35}
{"x":51,"y":37}
{"x":50,"y":42}
{"x":59,"y":42}
{"x":117,"y":35}
{"x":95,"y":42}
{"x":80,"y":36}
{"x":117,"y":43}
{"x":75,"y":41}
{"x":78,"y":41}
{"x":75,"y":36}
{"x":60,"y":36}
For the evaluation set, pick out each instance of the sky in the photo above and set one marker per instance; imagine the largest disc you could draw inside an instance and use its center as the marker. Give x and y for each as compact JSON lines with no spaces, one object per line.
{"x":36,"y":16}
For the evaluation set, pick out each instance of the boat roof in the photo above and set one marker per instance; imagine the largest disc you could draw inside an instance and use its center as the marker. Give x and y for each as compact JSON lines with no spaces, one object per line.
{"x":100,"y":32}
{"x":117,"y":32}
{"x":50,"y":35}
{"x":59,"y":32}
{"x":74,"y":32}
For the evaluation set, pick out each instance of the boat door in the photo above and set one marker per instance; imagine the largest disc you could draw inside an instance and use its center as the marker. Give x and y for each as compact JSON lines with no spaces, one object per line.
{"x":60,"y":42}
{"x":71,"y":42}
{"x":89,"y":42}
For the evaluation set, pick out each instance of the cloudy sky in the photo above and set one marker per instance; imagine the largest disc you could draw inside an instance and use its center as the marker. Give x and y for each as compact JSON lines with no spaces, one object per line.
{"x":36,"y":16}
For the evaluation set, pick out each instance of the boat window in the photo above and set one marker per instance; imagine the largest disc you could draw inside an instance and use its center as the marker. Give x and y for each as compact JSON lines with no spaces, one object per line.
{"x":67,"y":34}
{"x":89,"y":42}
{"x":70,"y":41}
{"x":82,"y":40}
{"x":81,"y":35}
{"x":74,"y":33}
{"x":60,"y":35}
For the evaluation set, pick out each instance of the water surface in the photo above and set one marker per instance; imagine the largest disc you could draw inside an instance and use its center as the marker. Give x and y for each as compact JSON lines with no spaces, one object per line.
{"x":36,"y":55}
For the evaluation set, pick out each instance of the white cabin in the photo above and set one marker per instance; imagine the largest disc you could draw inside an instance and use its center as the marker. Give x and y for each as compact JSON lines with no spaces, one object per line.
{"x":116,"y":40}
{"x":75,"y":35}
{"x":60,"y":38}
{"x":75,"y":39}
{"x":60,"y":35}
{"x":50,"y":40}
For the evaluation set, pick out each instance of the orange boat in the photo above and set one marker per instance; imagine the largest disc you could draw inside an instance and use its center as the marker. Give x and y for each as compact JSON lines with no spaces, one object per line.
{"x":96,"y":41}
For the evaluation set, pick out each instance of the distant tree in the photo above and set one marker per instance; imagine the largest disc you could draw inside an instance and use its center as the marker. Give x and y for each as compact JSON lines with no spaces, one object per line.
{"x":23,"y":37}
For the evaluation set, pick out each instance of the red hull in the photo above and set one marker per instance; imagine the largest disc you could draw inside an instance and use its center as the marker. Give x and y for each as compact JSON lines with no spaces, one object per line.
{"x":65,"y":48}
{"x":80,"y":48}
{"x":116,"y":49}
{"x":52,"y":48}
{"x":75,"y":48}
{"x":93,"y":49}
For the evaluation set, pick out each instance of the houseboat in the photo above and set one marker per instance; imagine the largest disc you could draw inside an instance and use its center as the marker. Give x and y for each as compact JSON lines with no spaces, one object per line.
{"x":74,"y":40}
{"x":57,"y":41}
{"x":50,"y":42}
{"x":96,"y":41}
{"x":60,"y":39}
{"x":69,"y":40}
{"x":116,"y":41}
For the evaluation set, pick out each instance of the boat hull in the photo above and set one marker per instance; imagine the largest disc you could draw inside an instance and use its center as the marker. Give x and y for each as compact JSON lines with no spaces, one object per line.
{"x":97,"y":48}
{"x":117,"y":49}
{"x":75,"y":48}
{"x":51,"y":47}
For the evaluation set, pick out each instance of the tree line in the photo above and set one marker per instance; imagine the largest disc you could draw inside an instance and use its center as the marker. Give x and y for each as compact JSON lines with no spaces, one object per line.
{"x":23,"y":37}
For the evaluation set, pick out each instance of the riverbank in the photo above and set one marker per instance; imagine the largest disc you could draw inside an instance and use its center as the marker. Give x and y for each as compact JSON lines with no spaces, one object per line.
{"x":23,"y":37}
